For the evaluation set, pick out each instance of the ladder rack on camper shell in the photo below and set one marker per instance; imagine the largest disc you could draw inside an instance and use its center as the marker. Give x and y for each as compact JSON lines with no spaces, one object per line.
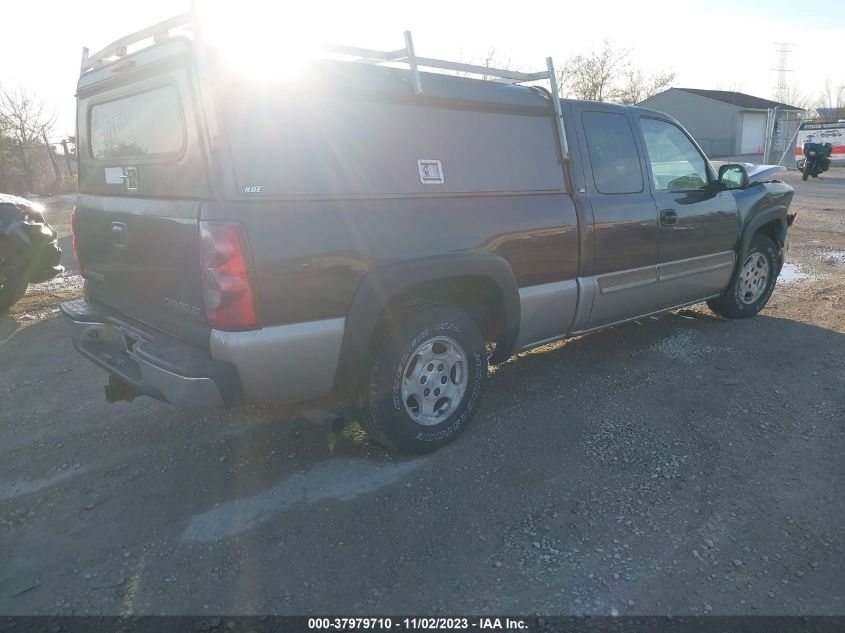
{"x":161,"y":31}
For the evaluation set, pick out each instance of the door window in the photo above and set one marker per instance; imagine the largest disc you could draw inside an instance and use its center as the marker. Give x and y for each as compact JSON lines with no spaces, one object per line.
{"x":676,"y":164}
{"x":613,"y":153}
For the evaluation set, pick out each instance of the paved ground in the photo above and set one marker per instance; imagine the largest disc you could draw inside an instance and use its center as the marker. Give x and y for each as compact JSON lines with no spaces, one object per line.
{"x":683,"y":464}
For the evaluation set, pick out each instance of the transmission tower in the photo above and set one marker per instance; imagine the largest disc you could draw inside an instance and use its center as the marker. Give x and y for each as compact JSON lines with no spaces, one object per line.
{"x":781,"y":90}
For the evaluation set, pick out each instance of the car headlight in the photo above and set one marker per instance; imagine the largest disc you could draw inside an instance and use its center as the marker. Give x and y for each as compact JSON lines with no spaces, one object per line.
{"x":33,"y":216}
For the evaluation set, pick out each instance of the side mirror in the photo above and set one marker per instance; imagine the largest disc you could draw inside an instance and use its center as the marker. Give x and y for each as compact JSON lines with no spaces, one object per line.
{"x":733,"y":176}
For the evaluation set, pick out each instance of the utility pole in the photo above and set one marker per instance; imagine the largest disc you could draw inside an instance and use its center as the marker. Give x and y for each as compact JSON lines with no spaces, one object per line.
{"x":52,"y":157}
{"x":781,"y":90}
{"x":66,"y":151}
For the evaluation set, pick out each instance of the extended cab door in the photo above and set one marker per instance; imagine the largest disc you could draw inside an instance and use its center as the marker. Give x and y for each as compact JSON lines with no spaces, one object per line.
{"x":624,"y":215}
{"x":699,"y":223}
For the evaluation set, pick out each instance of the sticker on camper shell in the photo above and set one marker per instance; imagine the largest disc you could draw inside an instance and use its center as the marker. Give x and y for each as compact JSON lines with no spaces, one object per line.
{"x":431,"y":172}
{"x":254,"y":189}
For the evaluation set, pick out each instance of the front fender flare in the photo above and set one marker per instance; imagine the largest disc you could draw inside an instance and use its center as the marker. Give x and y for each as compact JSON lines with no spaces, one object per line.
{"x":760,"y":219}
{"x":384,"y":283}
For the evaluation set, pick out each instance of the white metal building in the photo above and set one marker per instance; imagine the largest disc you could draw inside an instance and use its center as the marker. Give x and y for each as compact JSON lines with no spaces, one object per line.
{"x":724,"y":123}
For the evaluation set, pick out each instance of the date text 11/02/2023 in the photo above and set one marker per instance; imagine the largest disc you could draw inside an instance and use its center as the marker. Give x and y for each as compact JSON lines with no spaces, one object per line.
{"x":417,"y":623}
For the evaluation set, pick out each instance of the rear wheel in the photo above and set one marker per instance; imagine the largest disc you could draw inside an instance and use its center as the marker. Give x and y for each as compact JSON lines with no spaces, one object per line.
{"x":753,"y":282}
{"x":13,"y":284}
{"x":425,"y":379}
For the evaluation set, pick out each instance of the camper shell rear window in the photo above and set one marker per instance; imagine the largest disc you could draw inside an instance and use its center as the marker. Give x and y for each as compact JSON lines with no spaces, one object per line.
{"x":146,"y":124}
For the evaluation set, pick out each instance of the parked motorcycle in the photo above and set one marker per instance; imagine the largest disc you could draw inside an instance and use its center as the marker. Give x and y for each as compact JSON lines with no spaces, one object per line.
{"x":816,"y":159}
{"x":29,"y":249}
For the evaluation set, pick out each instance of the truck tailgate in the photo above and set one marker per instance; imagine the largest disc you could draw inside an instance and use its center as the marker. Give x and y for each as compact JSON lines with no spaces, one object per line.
{"x":141,"y":258}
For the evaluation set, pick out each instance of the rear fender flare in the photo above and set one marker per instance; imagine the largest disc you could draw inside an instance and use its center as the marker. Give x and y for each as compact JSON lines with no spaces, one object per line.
{"x":383,"y":284}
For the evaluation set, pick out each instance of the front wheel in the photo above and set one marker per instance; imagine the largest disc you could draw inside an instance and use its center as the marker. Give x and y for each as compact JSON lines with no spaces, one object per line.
{"x":753,"y":282}
{"x":805,"y":173}
{"x":13,"y":284}
{"x":425,"y":379}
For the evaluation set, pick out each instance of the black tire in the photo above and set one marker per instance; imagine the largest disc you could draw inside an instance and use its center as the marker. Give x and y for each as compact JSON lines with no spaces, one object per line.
{"x":805,"y":173}
{"x":12,"y":287}
{"x":734,"y":302}
{"x":384,"y":415}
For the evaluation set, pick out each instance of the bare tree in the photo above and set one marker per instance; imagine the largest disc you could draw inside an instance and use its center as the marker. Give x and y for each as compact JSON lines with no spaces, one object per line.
{"x":490,"y":60}
{"x":795,"y":97}
{"x":637,"y":87}
{"x":24,"y":118}
{"x":24,"y":122}
{"x":594,"y":76}
{"x":609,"y":75}
{"x":734,"y":86}
{"x":833,"y":99}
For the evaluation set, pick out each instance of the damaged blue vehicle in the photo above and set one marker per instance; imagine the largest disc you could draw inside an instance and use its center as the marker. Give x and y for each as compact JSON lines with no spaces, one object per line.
{"x":29,"y":248}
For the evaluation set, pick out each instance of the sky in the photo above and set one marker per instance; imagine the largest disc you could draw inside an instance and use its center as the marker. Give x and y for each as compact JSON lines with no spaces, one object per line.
{"x":713,"y":44}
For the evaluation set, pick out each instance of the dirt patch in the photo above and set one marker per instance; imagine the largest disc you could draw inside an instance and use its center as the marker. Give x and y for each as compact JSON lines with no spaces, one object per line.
{"x":57,"y":211}
{"x":40,"y":302}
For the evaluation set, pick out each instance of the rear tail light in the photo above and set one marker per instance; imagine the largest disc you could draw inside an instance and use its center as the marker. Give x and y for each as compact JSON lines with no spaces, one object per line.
{"x":74,"y":237}
{"x":224,"y":255}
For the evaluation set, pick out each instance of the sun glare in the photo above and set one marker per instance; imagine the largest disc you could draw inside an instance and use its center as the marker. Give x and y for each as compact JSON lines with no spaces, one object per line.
{"x":265,"y":41}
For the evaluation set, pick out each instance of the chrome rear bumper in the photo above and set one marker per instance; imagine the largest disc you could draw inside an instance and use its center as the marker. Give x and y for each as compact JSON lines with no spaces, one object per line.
{"x":151,"y":363}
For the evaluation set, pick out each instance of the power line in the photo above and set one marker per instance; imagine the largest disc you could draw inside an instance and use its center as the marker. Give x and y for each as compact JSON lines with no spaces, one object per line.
{"x":781,"y":90}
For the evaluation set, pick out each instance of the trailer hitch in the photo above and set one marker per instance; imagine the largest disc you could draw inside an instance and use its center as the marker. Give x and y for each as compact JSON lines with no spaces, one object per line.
{"x":119,"y":391}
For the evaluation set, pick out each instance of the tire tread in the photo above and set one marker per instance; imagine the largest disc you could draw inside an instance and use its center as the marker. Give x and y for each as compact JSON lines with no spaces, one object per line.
{"x":726,"y":305}
{"x":15,"y":289}
{"x":388,"y":327}
{"x":373,"y":421}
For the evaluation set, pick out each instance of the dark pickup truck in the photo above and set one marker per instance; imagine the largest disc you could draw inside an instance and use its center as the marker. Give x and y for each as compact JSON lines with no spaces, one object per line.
{"x":371,"y":237}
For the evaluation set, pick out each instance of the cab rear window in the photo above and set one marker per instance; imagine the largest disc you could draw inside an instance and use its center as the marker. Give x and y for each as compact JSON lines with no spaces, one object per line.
{"x":141,"y":125}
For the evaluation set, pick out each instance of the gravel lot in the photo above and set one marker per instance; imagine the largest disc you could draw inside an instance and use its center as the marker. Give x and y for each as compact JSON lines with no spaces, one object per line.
{"x":678,"y":465}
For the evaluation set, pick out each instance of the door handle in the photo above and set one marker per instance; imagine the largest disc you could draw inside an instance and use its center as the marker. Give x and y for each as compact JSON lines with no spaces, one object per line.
{"x":668,"y":217}
{"x":130,"y":177}
{"x":119,"y":235}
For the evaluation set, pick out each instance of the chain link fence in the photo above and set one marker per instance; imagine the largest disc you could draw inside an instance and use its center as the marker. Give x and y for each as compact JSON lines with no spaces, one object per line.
{"x":37,"y":169}
{"x":782,"y":128}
